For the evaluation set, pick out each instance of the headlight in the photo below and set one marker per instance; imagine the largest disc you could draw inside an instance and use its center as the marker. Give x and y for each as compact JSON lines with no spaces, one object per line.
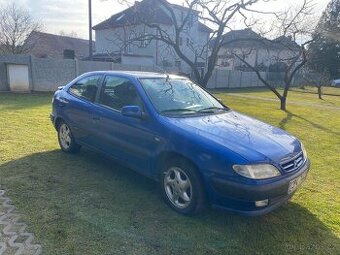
{"x":260,"y":171}
{"x":304,"y":151}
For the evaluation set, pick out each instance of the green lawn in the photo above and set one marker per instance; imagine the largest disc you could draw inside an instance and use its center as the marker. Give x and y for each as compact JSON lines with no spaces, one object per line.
{"x":86,"y":204}
{"x":326,"y":90}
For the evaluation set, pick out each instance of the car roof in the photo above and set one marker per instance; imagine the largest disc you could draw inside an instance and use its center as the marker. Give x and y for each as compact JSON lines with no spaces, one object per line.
{"x":136,"y":74}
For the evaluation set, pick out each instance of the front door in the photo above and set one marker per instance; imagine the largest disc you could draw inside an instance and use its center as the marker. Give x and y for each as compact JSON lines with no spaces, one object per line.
{"x":131,"y":140}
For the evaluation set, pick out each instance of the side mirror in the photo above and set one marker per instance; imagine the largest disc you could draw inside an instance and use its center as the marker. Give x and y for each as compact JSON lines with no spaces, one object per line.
{"x":132,"y":111}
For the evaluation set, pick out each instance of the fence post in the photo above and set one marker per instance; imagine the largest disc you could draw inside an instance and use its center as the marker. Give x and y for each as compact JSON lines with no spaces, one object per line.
{"x":30,"y":67}
{"x":228,"y":80}
{"x":76,"y":63}
{"x":216,"y":78}
{"x":241,"y":79}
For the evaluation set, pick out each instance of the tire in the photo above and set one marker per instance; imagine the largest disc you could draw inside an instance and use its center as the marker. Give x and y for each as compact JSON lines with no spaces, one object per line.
{"x":182,"y":187}
{"x":66,"y":140}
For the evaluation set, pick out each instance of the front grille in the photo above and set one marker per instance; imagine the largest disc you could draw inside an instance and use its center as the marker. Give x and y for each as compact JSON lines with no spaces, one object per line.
{"x":293,"y":163}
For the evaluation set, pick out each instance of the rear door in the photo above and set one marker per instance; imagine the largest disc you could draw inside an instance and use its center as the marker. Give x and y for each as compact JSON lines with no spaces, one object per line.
{"x":129,"y":139}
{"x":78,"y":107}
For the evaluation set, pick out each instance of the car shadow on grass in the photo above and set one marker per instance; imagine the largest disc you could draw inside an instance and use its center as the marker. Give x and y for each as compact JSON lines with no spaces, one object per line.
{"x":88,"y":204}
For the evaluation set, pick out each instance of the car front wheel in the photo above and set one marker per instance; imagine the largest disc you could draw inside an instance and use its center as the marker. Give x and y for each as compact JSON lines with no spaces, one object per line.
{"x":66,"y":139}
{"x":182,"y":187}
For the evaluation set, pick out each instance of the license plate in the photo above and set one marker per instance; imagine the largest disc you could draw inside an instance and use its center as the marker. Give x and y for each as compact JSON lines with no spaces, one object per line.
{"x":295,"y":183}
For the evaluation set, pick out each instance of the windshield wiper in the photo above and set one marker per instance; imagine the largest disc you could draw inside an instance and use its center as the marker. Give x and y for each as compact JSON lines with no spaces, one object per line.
{"x":211,"y":109}
{"x":178,"y":110}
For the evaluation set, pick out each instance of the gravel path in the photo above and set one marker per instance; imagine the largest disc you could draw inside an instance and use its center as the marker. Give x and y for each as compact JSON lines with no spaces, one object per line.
{"x":14,"y":240}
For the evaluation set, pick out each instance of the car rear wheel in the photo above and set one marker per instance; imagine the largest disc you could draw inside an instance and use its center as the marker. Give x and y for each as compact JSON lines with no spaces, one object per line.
{"x":182,"y":187}
{"x":66,"y":139}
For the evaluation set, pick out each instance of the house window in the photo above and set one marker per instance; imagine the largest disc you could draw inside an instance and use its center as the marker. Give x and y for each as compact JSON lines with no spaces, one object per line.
{"x":178,"y":63}
{"x":145,"y":41}
{"x":225,"y":63}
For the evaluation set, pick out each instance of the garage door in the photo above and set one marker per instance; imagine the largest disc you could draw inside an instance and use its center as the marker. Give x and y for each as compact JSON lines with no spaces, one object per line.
{"x":18,"y":77}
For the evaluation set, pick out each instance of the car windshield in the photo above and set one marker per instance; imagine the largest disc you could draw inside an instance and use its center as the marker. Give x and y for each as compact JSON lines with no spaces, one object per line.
{"x":180,"y":97}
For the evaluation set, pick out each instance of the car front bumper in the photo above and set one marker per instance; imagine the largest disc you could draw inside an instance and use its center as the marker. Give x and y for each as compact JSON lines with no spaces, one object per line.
{"x":52,"y":117}
{"x":240,"y":198}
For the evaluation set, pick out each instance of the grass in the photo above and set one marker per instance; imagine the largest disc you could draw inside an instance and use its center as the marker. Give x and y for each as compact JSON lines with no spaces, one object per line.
{"x":86,"y":204}
{"x":326,"y":90}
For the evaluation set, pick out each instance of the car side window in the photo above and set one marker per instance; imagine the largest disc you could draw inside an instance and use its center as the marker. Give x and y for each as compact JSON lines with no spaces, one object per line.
{"x":118,"y":92}
{"x":86,"y":87}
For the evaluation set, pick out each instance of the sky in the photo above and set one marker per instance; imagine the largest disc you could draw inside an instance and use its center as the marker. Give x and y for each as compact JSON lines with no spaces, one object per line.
{"x":72,"y":15}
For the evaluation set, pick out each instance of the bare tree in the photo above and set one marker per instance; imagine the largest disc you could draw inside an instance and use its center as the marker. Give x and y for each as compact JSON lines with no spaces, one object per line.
{"x":217,"y":13}
{"x":317,"y":79}
{"x":291,"y":26}
{"x":16,"y":25}
{"x":72,"y":34}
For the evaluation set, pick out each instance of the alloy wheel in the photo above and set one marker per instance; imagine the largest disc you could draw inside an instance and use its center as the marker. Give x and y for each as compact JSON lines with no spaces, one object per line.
{"x":178,"y":187}
{"x":65,"y":136}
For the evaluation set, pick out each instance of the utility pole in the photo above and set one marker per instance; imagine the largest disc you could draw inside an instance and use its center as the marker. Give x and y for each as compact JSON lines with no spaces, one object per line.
{"x":90,"y":30}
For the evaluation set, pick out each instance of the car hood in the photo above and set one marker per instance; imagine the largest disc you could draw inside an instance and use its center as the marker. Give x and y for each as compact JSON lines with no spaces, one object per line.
{"x":252,"y":139}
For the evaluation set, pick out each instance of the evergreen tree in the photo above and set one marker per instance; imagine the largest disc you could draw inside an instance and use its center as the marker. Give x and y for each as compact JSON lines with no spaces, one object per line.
{"x":324,"y":52}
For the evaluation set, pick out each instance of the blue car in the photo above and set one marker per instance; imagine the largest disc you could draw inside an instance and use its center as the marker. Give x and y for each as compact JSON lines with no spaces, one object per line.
{"x":170,"y":129}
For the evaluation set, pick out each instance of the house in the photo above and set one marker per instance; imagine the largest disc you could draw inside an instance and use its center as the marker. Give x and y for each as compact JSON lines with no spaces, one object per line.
{"x":47,"y":45}
{"x":116,"y":36}
{"x":266,"y":55}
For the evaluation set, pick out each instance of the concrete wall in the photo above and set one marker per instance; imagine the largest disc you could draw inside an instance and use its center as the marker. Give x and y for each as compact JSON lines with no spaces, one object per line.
{"x":48,"y":74}
{"x":254,"y":56}
{"x":223,"y":78}
{"x":88,"y":66}
{"x":3,"y":77}
{"x":136,"y":60}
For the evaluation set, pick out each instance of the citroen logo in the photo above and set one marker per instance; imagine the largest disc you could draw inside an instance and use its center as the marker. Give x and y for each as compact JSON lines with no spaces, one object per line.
{"x":296,"y":163}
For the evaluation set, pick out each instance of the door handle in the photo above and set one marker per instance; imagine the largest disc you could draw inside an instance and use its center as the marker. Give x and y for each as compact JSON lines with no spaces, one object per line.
{"x":63,"y":102}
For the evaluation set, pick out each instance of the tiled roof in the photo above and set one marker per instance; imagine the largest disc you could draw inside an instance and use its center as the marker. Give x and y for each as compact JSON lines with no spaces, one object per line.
{"x":134,"y":15}
{"x":243,"y":38}
{"x":248,"y":38}
{"x":286,"y":42}
{"x":204,"y":28}
{"x":51,"y":45}
{"x":147,"y":11}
